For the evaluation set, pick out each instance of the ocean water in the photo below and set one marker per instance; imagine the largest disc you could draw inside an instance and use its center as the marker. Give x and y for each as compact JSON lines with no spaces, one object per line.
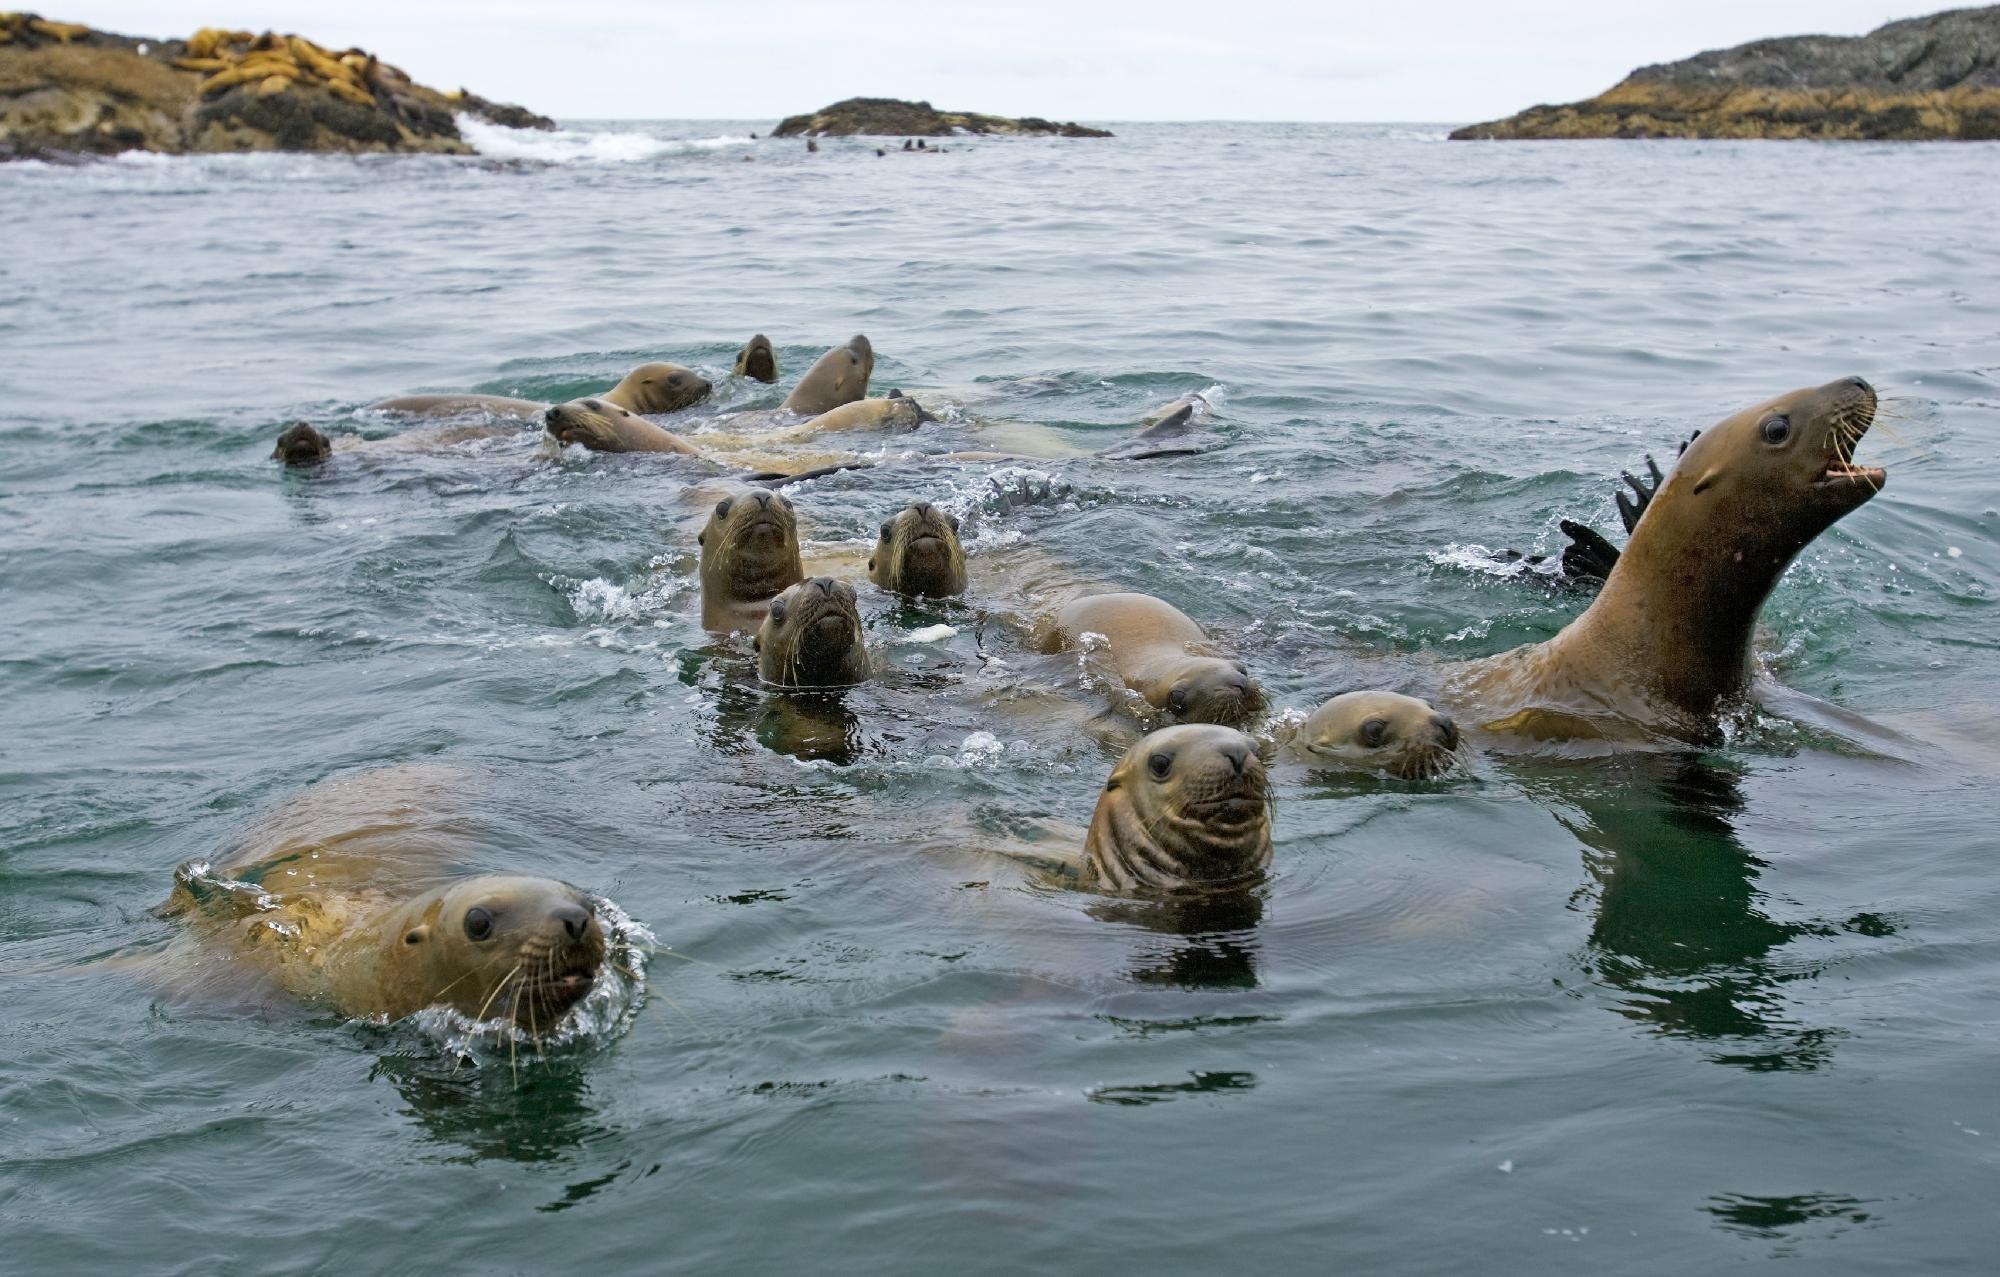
{"x":1640,"y":1014}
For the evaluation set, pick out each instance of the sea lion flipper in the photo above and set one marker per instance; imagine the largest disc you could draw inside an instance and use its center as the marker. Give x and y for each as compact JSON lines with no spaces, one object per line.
{"x":1588,"y":556}
{"x":1630,"y":508}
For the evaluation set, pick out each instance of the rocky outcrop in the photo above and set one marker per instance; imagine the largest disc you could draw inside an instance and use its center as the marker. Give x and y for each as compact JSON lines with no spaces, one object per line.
{"x":1935,"y":78}
{"x":66,"y":89}
{"x":888,"y":117}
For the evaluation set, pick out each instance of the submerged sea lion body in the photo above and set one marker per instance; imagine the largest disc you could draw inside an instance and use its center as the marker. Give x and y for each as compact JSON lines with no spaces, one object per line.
{"x":749,"y":555}
{"x":757,"y":360}
{"x":895,"y":412}
{"x":304,"y":445}
{"x":461,"y":406}
{"x":337,"y":899}
{"x":837,"y":377}
{"x":1152,"y":646}
{"x":1666,"y":645}
{"x":603,"y":426}
{"x":919,"y":553}
{"x":811,"y":637}
{"x":1187,"y":806}
{"x":1379,"y":731}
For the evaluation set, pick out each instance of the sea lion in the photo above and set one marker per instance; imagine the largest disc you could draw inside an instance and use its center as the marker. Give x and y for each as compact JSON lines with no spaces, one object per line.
{"x":919,"y":553}
{"x":301,"y":445}
{"x":1152,"y":645}
{"x":461,"y":405}
{"x":757,"y":360}
{"x":749,"y":554}
{"x":1666,"y":645}
{"x":336,"y":899}
{"x":603,"y":426}
{"x":837,"y":377}
{"x":658,"y":388}
{"x":896,"y":412}
{"x":811,"y":637}
{"x":1379,"y":731}
{"x":1187,"y":806}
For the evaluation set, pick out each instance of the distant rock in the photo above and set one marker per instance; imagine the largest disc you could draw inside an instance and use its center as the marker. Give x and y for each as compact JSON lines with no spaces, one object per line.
{"x":1922,"y":79}
{"x":66,"y":89}
{"x":888,"y":117}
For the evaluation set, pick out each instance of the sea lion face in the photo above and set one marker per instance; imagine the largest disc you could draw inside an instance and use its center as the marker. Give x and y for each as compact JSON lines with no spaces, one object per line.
{"x":593,"y":423}
{"x":655,"y":388}
{"x":837,"y":377}
{"x":1188,"y":805}
{"x":524,"y":949}
{"x":750,"y":545}
{"x":301,"y":445}
{"x":1381,"y":731}
{"x":757,"y":360}
{"x":919,"y":553}
{"x":1207,"y":689}
{"x":1783,"y":470}
{"x":812,"y":637}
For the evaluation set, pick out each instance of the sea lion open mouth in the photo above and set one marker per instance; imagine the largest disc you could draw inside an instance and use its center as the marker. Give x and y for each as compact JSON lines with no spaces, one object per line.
{"x":1844,"y":434}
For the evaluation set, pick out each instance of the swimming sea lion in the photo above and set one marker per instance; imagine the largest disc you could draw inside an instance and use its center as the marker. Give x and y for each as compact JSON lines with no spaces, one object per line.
{"x":896,"y":412}
{"x":603,"y":426}
{"x":749,"y":554}
{"x":1379,"y":731}
{"x":336,"y":900}
{"x":919,"y":553}
{"x":1151,"y":645}
{"x":837,"y":377}
{"x":658,"y":388}
{"x":1666,"y":644}
{"x":301,"y":445}
{"x":461,"y":405}
{"x":1186,"y":806}
{"x":811,"y":637}
{"x":757,"y":360}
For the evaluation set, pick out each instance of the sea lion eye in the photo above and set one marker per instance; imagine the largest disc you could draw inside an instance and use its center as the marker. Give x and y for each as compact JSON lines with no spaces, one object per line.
{"x":952,"y":519}
{"x":478,"y":923}
{"x":783,"y":502}
{"x":593,"y":405}
{"x":778,"y":611}
{"x":1159,"y":765}
{"x":1776,"y":429}
{"x":722,"y":508}
{"x":674,"y":380}
{"x":885,"y":532}
{"x":1177,"y":699}
{"x":1374,"y":732}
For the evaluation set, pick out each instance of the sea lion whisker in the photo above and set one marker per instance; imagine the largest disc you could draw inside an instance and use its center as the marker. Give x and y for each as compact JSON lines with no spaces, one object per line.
{"x":480,"y":1016}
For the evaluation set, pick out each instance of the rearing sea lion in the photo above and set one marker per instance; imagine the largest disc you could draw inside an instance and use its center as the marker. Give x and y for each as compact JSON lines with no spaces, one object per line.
{"x":1187,"y":806}
{"x":919,"y":553}
{"x":749,"y":555}
{"x":1666,"y":644}
{"x":837,"y":377}
{"x":1152,"y":646}
{"x":811,"y":637}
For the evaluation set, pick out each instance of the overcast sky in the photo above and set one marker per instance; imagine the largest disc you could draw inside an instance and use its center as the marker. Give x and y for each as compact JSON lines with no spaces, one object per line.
{"x":1419,"y":60}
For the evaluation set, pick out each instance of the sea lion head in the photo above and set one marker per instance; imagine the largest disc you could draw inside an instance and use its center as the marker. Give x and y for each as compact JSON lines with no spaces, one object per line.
{"x":757,"y":360}
{"x":301,"y":445}
{"x":524,"y":949}
{"x":750,"y":545}
{"x":654,"y":388}
{"x":591,"y":422}
{"x":812,"y":637}
{"x":839,"y":376}
{"x":1782,"y":472}
{"x":1187,"y":806}
{"x":919,"y":553}
{"x":1208,"y":689}
{"x":1380,"y":731}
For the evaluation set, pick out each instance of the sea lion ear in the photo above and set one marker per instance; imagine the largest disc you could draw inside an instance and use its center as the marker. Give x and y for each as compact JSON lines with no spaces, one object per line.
{"x":1701,"y":485}
{"x":895,"y":394}
{"x":871,"y":563}
{"x":417,"y":934}
{"x":701,"y":538}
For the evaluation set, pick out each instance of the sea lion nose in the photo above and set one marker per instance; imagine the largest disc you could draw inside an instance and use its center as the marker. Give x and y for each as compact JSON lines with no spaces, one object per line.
{"x":825,"y":584}
{"x":1447,"y":731}
{"x":552,"y":416}
{"x":923,"y":508}
{"x":763,"y":498}
{"x":1238,"y":755}
{"x":574,"y":918}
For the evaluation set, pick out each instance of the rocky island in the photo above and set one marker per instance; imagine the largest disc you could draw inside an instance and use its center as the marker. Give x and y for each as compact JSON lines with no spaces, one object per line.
{"x":888,"y":117}
{"x":66,"y":89}
{"x":1934,"y":78}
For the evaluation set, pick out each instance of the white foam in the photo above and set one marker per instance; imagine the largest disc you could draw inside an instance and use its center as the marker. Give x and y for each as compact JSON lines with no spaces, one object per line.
{"x":580,"y":146}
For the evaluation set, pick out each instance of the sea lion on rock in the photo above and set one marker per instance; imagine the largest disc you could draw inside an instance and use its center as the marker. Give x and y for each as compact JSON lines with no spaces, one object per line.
{"x":336,"y":899}
{"x":1666,"y":645}
{"x":811,"y":637}
{"x":919,"y":553}
{"x":837,"y":377}
{"x":1379,"y":731}
{"x":757,"y":360}
{"x":1188,"y":806}
{"x":658,"y":388}
{"x":749,"y":555}
{"x":603,"y":426}
{"x":1151,"y":645}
